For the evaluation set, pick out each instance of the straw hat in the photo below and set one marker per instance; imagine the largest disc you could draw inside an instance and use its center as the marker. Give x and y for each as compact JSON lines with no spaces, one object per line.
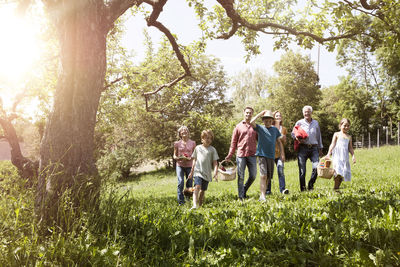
{"x":268,"y":114}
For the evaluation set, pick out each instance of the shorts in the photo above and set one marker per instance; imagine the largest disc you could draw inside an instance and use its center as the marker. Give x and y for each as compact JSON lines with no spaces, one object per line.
{"x":266,"y":166}
{"x":200,"y":181}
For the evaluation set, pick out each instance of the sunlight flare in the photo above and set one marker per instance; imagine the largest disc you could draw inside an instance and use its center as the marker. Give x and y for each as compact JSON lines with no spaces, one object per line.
{"x":19,"y":48}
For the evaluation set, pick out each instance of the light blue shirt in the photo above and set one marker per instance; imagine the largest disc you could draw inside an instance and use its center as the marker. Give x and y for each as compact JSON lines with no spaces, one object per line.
{"x":313,"y":131}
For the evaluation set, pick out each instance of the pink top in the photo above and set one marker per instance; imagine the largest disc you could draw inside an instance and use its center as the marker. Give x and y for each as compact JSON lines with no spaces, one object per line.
{"x":184,"y":150}
{"x":244,"y":138}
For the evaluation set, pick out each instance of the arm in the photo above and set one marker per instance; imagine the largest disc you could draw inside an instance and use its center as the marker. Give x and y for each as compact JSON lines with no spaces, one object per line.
{"x":283,"y":135}
{"x":175,"y":157}
{"x":235,"y":137}
{"x":332,"y":146}
{"x":351,"y":150}
{"x":191,"y":171}
{"x":215,"y":163}
{"x":319,"y":138}
{"x":253,"y":121}
{"x":281,"y":149}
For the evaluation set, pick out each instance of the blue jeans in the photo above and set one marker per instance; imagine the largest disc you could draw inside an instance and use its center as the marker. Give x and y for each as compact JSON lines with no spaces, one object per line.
{"x":200,"y":181}
{"x":251,"y":163}
{"x":281,"y":176}
{"x":305,"y":153}
{"x":181,"y":172}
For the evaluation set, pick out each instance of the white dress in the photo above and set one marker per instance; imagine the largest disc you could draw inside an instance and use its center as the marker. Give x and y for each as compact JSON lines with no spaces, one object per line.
{"x":340,"y":155}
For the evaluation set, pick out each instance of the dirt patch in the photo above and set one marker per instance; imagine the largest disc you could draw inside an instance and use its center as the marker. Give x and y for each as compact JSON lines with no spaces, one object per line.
{"x":151,"y":166}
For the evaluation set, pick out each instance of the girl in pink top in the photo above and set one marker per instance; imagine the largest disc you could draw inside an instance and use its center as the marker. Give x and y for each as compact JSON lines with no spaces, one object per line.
{"x":183,"y":150}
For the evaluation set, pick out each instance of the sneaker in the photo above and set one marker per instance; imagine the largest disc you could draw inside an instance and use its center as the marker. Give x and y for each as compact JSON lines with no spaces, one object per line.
{"x":262,"y":199}
{"x":285,"y":192}
{"x":193,"y":208}
{"x":268,"y":192}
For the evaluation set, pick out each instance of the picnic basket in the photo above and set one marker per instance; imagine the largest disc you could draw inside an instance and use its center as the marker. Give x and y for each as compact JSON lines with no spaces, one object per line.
{"x":227,"y":173}
{"x":188,"y":191}
{"x":324,"y":169}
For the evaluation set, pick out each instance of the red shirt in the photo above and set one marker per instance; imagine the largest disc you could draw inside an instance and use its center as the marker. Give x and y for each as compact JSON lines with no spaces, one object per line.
{"x":244,"y":139}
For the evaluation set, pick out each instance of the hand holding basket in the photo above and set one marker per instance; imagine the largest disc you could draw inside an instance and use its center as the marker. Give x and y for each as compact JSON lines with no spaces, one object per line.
{"x":226,"y":173}
{"x":324,"y":169}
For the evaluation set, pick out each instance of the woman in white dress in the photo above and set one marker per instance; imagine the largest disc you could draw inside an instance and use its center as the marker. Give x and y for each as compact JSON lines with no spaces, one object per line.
{"x":340,"y":148}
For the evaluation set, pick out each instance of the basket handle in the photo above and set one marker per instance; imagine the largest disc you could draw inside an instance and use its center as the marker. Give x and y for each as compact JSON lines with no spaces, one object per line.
{"x":227,"y":160}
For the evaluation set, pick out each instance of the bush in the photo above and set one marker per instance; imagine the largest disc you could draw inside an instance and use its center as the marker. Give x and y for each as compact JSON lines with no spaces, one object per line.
{"x":116,"y":165}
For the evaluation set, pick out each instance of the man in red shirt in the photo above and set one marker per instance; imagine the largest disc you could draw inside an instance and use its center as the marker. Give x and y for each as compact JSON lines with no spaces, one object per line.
{"x":244,"y":139}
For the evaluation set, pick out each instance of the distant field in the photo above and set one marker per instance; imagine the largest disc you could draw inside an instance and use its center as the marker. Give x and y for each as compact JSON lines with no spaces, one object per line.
{"x":373,"y":168}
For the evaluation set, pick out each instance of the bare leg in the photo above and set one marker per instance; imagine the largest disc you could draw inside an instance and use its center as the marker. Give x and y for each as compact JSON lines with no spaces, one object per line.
{"x":201,"y":197}
{"x":196,"y":196}
{"x":263,"y":186}
{"x":338,"y":181}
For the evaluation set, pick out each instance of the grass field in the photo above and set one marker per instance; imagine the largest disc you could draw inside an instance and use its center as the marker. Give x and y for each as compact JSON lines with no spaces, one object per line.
{"x":140,"y":224}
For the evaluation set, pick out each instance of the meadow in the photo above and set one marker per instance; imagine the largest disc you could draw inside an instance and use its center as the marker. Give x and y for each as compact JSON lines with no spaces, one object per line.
{"x":139,"y":223}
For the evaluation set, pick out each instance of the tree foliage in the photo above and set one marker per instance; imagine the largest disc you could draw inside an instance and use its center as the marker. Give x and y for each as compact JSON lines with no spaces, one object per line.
{"x":295,"y":85}
{"x":250,"y":89}
{"x":348,"y":100}
{"x":141,"y":132}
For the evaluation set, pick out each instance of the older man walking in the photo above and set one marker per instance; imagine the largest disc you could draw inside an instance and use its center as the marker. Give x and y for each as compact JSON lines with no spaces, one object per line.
{"x":309,"y":148}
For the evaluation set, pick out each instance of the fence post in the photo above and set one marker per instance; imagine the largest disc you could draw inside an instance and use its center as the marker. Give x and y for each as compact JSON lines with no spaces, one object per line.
{"x":369,"y":140}
{"x":377,"y":138}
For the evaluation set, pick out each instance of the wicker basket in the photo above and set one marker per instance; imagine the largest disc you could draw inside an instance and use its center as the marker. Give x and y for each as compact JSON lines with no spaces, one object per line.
{"x":324,"y":169}
{"x":188,"y":191}
{"x":229,"y":174}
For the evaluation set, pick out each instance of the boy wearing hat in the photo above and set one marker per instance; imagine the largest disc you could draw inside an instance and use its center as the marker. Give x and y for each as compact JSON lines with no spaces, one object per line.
{"x":268,"y":135}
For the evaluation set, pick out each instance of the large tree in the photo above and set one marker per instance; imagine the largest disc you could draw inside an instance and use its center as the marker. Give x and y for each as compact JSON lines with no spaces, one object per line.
{"x":83,"y":25}
{"x":295,"y":85}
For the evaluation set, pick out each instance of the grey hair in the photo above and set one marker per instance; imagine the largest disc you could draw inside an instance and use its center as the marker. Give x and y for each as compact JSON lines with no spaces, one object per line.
{"x":182,"y":128}
{"x":307,"y":107}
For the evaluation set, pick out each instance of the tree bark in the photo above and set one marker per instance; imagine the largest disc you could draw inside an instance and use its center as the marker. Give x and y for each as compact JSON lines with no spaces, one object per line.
{"x":67,"y":146}
{"x":27,"y":169}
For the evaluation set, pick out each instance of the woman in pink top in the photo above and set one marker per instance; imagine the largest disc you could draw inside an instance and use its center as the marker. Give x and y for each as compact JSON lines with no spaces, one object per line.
{"x":183,"y":150}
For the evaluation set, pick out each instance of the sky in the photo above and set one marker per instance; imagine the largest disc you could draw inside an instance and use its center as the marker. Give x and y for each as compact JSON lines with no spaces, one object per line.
{"x":181,"y":20}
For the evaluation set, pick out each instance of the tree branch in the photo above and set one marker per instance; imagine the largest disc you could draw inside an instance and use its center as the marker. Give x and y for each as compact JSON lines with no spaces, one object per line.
{"x":167,"y":85}
{"x":111,"y":83}
{"x":115,"y":8}
{"x":152,"y":21}
{"x":237,"y":19}
{"x":365,"y":5}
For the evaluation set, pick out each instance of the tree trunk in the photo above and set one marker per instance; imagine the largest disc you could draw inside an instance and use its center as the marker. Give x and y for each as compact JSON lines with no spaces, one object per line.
{"x":27,"y":169}
{"x":66,"y":150}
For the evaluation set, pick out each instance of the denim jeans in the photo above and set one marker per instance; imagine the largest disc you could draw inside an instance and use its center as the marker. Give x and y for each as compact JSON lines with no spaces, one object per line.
{"x":305,"y":153}
{"x":200,"y":181}
{"x":281,"y":176}
{"x":251,"y":163}
{"x":181,"y":172}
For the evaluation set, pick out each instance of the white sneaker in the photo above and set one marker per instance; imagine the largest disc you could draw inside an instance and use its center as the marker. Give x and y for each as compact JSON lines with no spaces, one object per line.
{"x":285,"y":192}
{"x":262,"y":199}
{"x":193,"y":208}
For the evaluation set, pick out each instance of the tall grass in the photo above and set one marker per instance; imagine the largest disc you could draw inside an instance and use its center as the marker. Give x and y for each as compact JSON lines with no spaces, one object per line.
{"x":140,"y":224}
